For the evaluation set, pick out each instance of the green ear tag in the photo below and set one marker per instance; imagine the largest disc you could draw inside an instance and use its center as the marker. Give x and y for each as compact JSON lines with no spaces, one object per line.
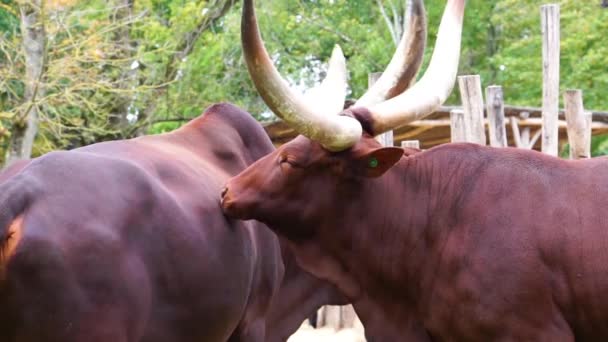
{"x":373,"y":162}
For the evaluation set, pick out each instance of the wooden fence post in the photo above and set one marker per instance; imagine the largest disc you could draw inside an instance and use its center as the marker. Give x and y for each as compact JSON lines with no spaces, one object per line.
{"x":472,"y":104}
{"x":522,"y":137}
{"x":496,"y":116}
{"x":411,"y":144}
{"x":578,"y":124}
{"x":386,"y":138}
{"x":551,"y":39}
{"x":457,"y":126}
{"x":525,"y":132}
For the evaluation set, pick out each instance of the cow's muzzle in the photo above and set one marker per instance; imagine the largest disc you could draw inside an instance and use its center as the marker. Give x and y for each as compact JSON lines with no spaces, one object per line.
{"x":228,"y":204}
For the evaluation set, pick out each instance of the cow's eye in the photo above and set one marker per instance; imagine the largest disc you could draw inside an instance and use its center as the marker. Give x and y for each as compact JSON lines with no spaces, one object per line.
{"x":285,"y":166}
{"x":282,"y":159}
{"x":286,"y":163}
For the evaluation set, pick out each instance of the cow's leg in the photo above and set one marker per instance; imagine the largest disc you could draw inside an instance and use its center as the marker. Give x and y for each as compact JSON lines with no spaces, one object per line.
{"x":541,"y":336}
{"x":556,"y":332}
{"x":251,"y":332}
{"x":41,"y":301}
{"x":555,"y":329}
{"x":48,"y":296}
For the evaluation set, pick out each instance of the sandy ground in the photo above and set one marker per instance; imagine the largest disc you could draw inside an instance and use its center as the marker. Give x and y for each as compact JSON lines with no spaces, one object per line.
{"x":307,"y":333}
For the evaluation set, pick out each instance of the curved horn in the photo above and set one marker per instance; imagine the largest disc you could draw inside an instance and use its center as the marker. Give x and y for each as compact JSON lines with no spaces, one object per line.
{"x":335,"y":133}
{"x":435,"y":85}
{"x":330,"y":94}
{"x":403,"y":67}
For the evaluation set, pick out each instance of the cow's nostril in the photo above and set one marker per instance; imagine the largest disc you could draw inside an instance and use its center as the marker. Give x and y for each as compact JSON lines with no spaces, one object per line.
{"x":224,"y":191}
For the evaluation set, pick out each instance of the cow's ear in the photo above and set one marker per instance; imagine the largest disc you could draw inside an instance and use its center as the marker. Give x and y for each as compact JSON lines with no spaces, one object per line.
{"x":377,"y":161}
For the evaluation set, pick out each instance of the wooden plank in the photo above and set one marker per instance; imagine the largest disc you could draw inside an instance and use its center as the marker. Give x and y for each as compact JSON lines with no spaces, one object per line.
{"x":550,"y":35}
{"x":411,"y":144}
{"x":457,"y":126}
{"x":579,"y":124}
{"x":521,"y":137}
{"x":525,"y":131}
{"x":472,"y":104}
{"x":516,"y":132}
{"x":386,"y":138}
{"x":496,"y":116}
{"x":419,"y":130}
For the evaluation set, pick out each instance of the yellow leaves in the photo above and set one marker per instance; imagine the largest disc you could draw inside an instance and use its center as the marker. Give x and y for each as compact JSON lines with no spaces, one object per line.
{"x":6,"y":116}
{"x":60,"y":4}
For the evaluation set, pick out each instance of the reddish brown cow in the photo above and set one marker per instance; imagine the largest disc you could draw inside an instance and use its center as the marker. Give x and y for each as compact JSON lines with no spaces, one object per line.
{"x":125,"y":241}
{"x":460,"y":242}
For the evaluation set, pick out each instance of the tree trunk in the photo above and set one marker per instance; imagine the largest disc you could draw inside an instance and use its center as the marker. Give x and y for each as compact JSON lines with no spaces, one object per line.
{"x":125,"y":47}
{"x":26,"y":126}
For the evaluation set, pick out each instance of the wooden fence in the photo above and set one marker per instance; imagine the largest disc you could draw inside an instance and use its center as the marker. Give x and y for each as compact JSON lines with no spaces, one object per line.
{"x":466,"y":124}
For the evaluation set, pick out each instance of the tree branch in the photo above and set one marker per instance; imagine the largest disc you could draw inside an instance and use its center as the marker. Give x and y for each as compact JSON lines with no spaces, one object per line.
{"x":185,"y":46}
{"x":388,"y":22}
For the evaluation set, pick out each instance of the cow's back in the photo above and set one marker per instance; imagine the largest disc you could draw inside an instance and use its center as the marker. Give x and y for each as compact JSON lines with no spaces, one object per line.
{"x":526,"y":249}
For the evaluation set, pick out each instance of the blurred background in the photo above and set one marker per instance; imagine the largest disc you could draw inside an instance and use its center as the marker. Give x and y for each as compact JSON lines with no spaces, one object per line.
{"x":73,"y":73}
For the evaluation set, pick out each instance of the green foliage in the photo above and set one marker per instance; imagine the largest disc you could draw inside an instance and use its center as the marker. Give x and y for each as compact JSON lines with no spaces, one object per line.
{"x":584,"y":52}
{"x":299,"y":35}
{"x":501,"y":42}
{"x":9,"y":21}
{"x":599,"y":146}
{"x":189,"y":56}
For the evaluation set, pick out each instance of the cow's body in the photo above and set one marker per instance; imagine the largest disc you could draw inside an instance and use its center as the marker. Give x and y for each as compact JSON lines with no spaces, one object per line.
{"x":125,"y":241}
{"x":461,"y":242}
{"x":12,"y":169}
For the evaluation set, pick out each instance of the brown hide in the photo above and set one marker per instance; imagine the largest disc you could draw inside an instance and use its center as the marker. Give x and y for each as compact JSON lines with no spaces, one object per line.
{"x":12,"y":169}
{"x":460,"y":242}
{"x":125,"y":241}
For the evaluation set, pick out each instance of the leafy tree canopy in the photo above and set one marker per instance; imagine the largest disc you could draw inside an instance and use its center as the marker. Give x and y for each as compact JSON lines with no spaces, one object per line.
{"x":121,"y":68}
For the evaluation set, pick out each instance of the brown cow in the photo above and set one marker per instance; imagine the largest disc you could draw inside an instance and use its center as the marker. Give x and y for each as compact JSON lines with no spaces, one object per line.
{"x":460,"y":242}
{"x":125,"y":241}
{"x":12,"y":169}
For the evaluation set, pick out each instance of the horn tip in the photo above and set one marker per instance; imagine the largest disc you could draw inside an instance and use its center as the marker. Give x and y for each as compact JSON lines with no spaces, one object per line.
{"x":337,"y":61}
{"x":337,"y":53}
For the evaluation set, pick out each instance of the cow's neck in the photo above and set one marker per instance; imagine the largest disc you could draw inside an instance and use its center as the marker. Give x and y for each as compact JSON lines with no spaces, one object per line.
{"x":393,"y":236}
{"x":299,"y":296}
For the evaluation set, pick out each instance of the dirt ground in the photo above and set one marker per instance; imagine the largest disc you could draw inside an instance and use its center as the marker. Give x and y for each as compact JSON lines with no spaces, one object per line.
{"x":307,"y":333}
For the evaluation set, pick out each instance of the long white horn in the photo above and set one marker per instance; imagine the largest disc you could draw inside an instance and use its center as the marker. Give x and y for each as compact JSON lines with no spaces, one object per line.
{"x":335,"y":133}
{"x":434,"y":87}
{"x":328,"y":97}
{"x":403,"y":67}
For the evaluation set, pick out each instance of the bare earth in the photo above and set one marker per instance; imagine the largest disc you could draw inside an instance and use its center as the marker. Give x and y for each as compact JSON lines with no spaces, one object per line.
{"x":307,"y":333}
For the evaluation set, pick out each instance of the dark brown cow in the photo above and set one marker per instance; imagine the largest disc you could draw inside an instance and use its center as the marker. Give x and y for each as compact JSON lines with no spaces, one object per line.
{"x":459,"y":243}
{"x":12,"y":169}
{"x":125,"y":241}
